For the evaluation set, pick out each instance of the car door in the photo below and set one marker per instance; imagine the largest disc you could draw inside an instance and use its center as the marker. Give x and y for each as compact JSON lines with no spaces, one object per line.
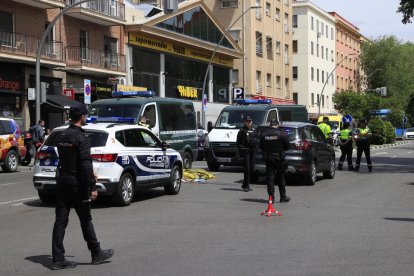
{"x":150,"y":112}
{"x":323,"y":151}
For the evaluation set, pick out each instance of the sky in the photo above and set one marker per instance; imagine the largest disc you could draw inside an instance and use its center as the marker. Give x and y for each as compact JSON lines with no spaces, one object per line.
{"x":374,"y":18}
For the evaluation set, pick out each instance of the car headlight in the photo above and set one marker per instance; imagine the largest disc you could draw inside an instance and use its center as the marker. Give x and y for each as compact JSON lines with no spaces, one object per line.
{"x":207,"y":143}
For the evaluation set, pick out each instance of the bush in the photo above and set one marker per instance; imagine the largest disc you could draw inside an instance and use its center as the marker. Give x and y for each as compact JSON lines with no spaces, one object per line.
{"x":377,"y":127}
{"x":389,"y":133}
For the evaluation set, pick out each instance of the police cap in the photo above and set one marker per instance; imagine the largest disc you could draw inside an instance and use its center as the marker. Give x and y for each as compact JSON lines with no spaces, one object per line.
{"x":274,"y":122}
{"x":77,"y":111}
{"x":248,"y":118}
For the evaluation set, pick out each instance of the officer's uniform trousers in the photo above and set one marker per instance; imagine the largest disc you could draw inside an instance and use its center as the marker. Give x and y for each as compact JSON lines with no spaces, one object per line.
{"x":68,"y":195}
{"x":346,"y":150}
{"x":249,"y":162}
{"x":275,"y":170}
{"x":363,"y":147}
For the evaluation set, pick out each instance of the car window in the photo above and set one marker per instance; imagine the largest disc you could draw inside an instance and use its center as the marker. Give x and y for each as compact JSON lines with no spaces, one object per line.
{"x":148,"y":139}
{"x":7,"y":127}
{"x":317,"y":134}
{"x":133,"y":138}
{"x":2,"y":131}
{"x":272,"y":115}
{"x":119,"y":135}
{"x":290,"y":132}
{"x":307,"y":133}
{"x":411,"y":129}
{"x":150,"y":115}
{"x":96,"y":138}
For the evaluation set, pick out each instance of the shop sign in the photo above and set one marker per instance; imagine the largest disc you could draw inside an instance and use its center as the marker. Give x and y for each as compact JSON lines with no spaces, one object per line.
{"x":129,"y":88}
{"x":69,"y":93}
{"x":11,"y":83}
{"x":99,"y":89}
{"x":187,"y":92}
{"x":178,"y":49}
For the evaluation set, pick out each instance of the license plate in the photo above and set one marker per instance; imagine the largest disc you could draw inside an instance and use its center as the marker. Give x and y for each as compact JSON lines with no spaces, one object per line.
{"x":224,"y":160}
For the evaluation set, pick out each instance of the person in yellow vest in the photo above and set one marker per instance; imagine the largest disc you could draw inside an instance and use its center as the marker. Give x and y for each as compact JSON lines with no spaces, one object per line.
{"x":143,"y":122}
{"x":363,"y":141}
{"x":326,"y":129}
{"x":345,"y":135}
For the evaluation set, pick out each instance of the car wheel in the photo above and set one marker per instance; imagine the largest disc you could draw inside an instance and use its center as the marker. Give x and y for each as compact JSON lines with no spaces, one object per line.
{"x":330,"y":174}
{"x":187,"y":160}
{"x":46,"y":198}
{"x":11,"y":162}
{"x":174,"y":185}
{"x":311,"y":175}
{"x":125,"y":192}
{"x":214,"y":167}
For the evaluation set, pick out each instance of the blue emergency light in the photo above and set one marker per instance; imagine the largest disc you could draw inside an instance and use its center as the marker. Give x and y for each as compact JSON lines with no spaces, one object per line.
{"x":110,"y":120}
{"x":133,"y":94}
{"x":251,"y":101}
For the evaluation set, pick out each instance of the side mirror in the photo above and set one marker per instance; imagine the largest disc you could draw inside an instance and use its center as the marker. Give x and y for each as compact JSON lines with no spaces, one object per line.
{"x":164,"y":146}
{"x":209,"y":126}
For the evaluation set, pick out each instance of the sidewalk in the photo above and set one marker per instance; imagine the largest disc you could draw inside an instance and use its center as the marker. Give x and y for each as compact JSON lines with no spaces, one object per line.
{"x":396,"y":143}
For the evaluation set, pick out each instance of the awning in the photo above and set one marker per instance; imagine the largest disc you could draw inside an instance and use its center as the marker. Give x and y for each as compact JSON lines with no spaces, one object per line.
{"x":60,"y":101}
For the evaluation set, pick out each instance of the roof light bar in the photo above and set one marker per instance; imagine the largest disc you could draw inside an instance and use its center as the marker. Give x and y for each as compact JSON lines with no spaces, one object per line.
{"x":133,"y":94}
{"x":110,"y":120}
{"x":251,"y":101}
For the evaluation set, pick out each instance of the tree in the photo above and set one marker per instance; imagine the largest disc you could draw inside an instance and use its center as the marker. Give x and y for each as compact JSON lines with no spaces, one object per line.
{"x":407,"y":9}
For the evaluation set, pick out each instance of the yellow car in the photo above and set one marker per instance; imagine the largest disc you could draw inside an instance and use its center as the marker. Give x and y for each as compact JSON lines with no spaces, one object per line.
{"x":12,"y":149}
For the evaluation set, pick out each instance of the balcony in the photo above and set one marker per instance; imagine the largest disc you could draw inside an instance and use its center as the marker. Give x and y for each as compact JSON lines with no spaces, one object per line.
{"x":94,"y":61}
{"x":102,"y":12}
{"x":43,"y":4}
{"x":23,"y":48}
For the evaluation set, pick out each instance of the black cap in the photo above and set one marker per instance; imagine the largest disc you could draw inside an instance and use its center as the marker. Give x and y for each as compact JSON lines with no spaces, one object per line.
{"x":363,"y":121}
{"x":248,"y":118}
{"x":274,"y":122}
{"x":77,"y":111}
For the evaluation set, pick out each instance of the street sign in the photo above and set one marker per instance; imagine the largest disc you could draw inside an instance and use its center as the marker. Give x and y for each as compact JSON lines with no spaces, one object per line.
{"x":205,"y":102}
{"x":238,"y":93}
{"x":87,"y":91}
{"x":347,"y":118}
{"x":404,"y":120}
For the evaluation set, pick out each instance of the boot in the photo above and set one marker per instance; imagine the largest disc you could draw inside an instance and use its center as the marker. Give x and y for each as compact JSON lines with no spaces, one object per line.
{"x":339,"y":167}
{"x":370,"y":168}
{"x":356,"y":168}
{"x":102,"y":256}
{"x":350,"y":168}
{"x":63,"y":264}
{"x":284,"y":198}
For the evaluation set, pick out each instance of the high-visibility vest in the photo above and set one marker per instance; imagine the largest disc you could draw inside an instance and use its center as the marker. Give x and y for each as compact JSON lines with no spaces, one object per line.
{"x":326,"y":129}
{"x":344,"y":134}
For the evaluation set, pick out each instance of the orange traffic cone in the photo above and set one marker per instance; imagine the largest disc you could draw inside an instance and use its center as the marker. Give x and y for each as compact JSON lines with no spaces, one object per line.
{"x":270,"y":210}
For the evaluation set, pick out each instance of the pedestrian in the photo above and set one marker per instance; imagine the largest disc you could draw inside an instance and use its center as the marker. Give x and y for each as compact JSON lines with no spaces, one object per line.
{"x":47,"y":133}
{"x":75,"y":188}
{"x":346,"y":146}
{"x":247,"y":151}
{"x":38,"y":133}
{"x":143,"y":122}
{"x":273,"y":143}
{"x":326,"y":128}
{"x":363,"y":141}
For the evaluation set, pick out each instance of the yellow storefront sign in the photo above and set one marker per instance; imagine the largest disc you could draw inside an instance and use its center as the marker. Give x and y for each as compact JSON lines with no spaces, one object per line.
{"x":177,"y":49}
{"x":187,"y":92}
{"x":129,"y":88}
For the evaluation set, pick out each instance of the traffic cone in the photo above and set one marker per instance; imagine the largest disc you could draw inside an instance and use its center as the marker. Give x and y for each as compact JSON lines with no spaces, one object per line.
{"x":270,"y":210}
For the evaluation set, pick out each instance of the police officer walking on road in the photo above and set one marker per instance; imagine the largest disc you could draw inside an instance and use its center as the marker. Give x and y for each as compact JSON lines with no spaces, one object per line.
{"x":363,"y":142}
{"x":273,"y":143}
{"x":345,"y":135}
{"x":75,"y":188}
{"x":326,"y":129}
{"x":247,"y":150}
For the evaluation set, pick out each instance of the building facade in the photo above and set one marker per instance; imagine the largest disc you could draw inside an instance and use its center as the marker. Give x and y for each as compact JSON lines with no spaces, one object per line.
{"x":265,"y":37}
{"x":314,"y":60}
{"x":85,"y":44}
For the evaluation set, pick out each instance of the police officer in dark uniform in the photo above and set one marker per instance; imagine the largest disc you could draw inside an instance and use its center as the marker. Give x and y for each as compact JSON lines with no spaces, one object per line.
{"x":346,"y":147}
{"x":75,"y":188}
{"x":363,"y":141}
{"x":247,"y":150}
{"x":273,"y":143}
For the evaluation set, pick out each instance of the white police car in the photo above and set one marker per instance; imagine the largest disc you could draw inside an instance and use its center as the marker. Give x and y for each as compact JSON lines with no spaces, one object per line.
{"x":125,"y":157}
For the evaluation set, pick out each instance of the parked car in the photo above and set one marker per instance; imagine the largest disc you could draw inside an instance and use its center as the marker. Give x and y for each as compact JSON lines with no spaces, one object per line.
{"x":409,"y":134}
{"x":12,"y":149}
{"x":125,"y":157}
{"x":309,"y":153}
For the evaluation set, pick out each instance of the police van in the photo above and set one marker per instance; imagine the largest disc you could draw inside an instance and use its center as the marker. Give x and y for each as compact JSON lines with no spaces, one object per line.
{"x":220,"y":146}
{"x":172,"y":120}
{"x":125,"y":157}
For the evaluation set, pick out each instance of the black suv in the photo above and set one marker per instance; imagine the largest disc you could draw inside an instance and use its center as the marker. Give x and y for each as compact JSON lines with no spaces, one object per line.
{"x":308,"y":154}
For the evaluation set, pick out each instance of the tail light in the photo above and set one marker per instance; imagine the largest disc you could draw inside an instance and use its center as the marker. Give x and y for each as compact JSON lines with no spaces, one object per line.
{"x":303,"y":145}
{"x":109,"y":157}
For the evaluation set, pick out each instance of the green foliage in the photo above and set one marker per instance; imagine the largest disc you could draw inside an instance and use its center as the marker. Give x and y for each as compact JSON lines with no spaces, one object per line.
{"x":410,"y":111}
{"x":407,"y":9}
{"x":377,"y":127}
{"x":350,"y":103}
{"x":389,"y":132}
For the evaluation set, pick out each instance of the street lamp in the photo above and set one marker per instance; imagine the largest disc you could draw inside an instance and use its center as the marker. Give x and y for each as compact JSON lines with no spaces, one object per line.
{"x":39,"y":50}
{"x":203,"y":114}
{"x":323,"y":88}
{"x":372,"y":73}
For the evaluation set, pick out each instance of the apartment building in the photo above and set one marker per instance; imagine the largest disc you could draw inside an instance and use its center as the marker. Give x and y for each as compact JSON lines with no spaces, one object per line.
{"x":314,"y":59}
{"x":348,"y":48}
{"x":265,"y":37}
{"x":85,"y":44}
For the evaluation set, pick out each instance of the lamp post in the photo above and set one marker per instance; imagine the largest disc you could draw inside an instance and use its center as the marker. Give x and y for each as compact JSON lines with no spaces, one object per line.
{"x":327,"y":79}
{"x":203,"y":114}
{"x":39,"y":51}
{"x":372,"y":73}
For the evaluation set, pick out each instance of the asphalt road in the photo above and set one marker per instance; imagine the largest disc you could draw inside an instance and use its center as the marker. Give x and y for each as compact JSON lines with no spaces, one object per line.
{"x":356,"y":224}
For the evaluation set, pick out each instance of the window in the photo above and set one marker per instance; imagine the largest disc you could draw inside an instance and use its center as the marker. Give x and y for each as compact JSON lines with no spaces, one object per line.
{"x":176,"y":116}
{"x":326,"y":55}
{"x":229,"y":4}
{"x":312,"y":73}
{"x":332,"y":33}
{"x":277,"y":47}
{"x":322,"y":28}
{"x":258,"y":82}
{"x":295,"y":97}
{"x":269,"y":47}
{"x":84,"y":45}
{"x":311,"y":47}
{"x":327,"y":33}
{"x":317,"y":75}
{"x":286,"y":2}
{"x":268,"y":7}
{"x":151,"y":115}
{"x":317,"y":49}
{"x":234,"y":76}
{"x":286,"y":23}
{"x":295,"y":72}
{"x":277,"y":14}
{"x":332,"y":55}
{"x":286,"y":54}
{"x":50,"y":40}
{"x":259,"y":50}
{"x":6,"y":29}
{"x":278,"y":82}
{"x":323,"y":101}
{"x":313,"y":99}
{"x":235,"y":34}
{"x":132,"y":138}
{"x":295,"y":46}
{"x":148,"y":139}
{"x":258,"y":14}
{"x":268,"y":80}
{"x":322,"y":52}
{"x":312,"y":23}
{"x":294,"y":21}
{"x":323,"y":76}
{"x":317,"y":25}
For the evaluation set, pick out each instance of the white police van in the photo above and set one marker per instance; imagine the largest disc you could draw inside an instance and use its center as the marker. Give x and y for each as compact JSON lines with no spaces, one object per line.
{"x":125,"y":157}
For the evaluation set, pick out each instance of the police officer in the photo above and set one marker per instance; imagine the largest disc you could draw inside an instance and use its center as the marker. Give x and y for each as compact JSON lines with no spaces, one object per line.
{"x":273,"y":143}
{"x":326,"y":128}
{"x":247,"y":151}
{"x":363,"y":141}
{"x":143,"y":122}
{"x":75,"y":188}
{"x":345,"y":135}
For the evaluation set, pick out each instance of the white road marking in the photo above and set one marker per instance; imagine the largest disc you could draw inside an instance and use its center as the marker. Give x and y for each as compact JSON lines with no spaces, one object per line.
{"x":14,"y":183}
{"x":393,"y":156}
{"x":17,"y":200}
{"x":17,"y":204}
{"x":379,"y":153}
{"x":410,"y":152}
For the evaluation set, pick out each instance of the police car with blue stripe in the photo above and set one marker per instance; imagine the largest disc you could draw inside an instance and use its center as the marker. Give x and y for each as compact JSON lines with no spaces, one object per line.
{"x":125,"y":157}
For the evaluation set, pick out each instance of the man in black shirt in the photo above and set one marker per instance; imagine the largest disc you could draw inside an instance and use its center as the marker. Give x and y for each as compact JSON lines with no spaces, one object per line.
{"x":75,"y":188}
{"x":247,"y":151}
{"x":273,"y":143}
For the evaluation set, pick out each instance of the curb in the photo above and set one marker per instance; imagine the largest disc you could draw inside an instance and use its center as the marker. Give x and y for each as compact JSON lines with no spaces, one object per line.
{"x":381,"y":146}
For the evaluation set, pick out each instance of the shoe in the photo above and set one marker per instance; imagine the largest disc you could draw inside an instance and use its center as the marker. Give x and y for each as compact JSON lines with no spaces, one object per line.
{"x":356,"y":169}
{"x":350,"y":168}
{"x":370,"y":169}
{"x":102,"y":256}
{"x":62,"y":265}
{"x":339,"y":168}
{"x":247,"y":189}
{"x":284,"y":199}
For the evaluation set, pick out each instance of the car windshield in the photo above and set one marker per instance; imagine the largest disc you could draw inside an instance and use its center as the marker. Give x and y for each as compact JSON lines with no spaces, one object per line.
{"x":411,"y":129}
{"x":97,"y":139}
{"x":236,"y":118}
{"x":109,"y":110}
{"x":291,"y":132}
